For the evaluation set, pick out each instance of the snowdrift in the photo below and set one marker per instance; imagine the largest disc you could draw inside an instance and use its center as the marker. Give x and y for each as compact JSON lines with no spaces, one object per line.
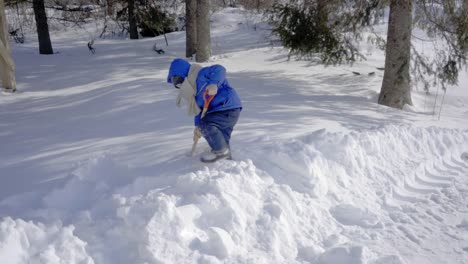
{"x":359,"y":197}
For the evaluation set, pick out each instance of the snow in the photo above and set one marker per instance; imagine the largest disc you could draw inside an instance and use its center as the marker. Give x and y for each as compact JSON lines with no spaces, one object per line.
{"x":95,"y":168}
{"x":26,"y":242}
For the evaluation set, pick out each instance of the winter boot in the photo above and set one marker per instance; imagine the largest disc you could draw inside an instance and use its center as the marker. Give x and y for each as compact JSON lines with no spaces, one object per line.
{"x":216,"y":155}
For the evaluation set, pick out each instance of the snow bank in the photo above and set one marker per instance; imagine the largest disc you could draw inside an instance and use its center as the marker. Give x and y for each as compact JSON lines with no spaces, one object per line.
{"x":323,"y":198}
{"x":29,"y":243}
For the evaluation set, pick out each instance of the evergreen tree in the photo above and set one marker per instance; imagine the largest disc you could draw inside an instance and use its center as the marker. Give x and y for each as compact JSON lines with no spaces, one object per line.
{"x":329,"y":29}
{"x":315,"y":28}
{"x":445,"y":21}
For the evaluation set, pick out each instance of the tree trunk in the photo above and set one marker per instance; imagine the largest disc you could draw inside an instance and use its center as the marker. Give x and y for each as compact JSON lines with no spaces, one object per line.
{"x":465,"y":7}
{"x":203,"y":31}
{"x":396,"y":85}
{"x":322,"y":7}
{"x":45,"y":46}
{"x":110,"y":8}
{"x":132,"y":20}
{"x":7,"y":68}
{"x":191,"y":27}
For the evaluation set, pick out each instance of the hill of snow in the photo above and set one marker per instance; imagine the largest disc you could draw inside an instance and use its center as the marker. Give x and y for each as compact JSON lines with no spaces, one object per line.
{"x":95,"y":169}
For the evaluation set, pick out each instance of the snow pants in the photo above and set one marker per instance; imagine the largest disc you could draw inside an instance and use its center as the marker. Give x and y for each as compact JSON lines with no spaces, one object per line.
{"x":217,"y":128}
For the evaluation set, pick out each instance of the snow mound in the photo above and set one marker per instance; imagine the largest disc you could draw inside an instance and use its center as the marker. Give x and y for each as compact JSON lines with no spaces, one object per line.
{"x":351,"y":215}
{"x":93,"y":180}
{"x":344,"y":255}
{"x":29,"y":243}
{"x":322,"y":198}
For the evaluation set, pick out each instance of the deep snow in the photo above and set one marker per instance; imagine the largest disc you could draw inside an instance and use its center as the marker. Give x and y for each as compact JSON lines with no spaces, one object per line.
{"x":94,"y":165}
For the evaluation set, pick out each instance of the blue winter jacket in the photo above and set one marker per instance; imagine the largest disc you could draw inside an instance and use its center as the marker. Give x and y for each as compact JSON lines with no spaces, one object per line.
{"x":225,"y":99}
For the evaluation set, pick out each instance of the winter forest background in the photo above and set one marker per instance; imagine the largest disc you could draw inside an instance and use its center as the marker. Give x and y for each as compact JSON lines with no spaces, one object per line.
{"x":352,"y":146}
{"x":329,"y":30}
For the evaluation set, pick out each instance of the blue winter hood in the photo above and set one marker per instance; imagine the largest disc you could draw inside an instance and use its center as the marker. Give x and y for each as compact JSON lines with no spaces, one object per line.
{"x":178,"y":67}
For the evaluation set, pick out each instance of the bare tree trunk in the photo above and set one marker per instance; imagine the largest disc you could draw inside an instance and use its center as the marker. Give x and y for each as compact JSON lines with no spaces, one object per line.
{"x":110,"y":8}
{"x":45,"y":46}
{"x":132,"y":20}
{"x":191,"y":27}
{"x":323,"y":12}
{"x":203,"y":31}
{"x":7,"y":68}
{"x":396,"y":85}
{"x":465,"y":7}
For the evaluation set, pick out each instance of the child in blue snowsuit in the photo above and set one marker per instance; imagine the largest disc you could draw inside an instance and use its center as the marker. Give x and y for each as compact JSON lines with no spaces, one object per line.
{"x":214,"y":103}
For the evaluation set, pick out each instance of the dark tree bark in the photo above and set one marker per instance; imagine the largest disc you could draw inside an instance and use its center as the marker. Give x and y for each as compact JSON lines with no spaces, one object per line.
{"x":45,"y":46}
{"x":203,"y":31}
{"x":465,"y":7}
{"x":132,"y":20}
{"x":191,"y":27}
{"x":396,"y":85}
{"x":323,"y":9}
{"x":110,"y":7}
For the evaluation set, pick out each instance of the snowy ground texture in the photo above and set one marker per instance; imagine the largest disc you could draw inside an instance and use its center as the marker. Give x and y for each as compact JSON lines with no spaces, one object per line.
{"x":94,"y":165}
